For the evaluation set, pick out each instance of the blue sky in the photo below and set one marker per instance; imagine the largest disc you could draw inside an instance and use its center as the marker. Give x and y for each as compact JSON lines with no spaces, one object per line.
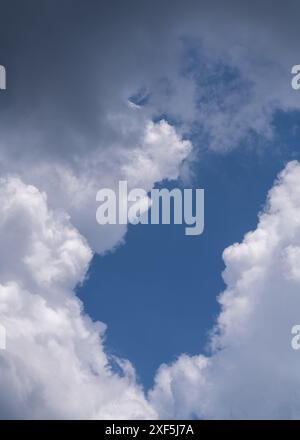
{"x":157,"y":293}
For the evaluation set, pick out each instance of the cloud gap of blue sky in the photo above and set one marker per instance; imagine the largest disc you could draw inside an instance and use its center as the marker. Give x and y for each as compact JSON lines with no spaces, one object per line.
{"x":157,"y":294}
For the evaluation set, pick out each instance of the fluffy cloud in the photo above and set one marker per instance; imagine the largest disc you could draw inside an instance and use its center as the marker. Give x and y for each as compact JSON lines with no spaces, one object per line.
{"x":161,"y":154}
{"x":253,"y":371}
{"x":158,"y":153}
{"x":66,"y":125}
{"x":55,"y":365}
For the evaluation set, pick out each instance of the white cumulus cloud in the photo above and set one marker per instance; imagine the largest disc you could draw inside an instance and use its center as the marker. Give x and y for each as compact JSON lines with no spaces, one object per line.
{"x":157,"y":154}
{"x":54,"y":365}
{"x":252,"y":371}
